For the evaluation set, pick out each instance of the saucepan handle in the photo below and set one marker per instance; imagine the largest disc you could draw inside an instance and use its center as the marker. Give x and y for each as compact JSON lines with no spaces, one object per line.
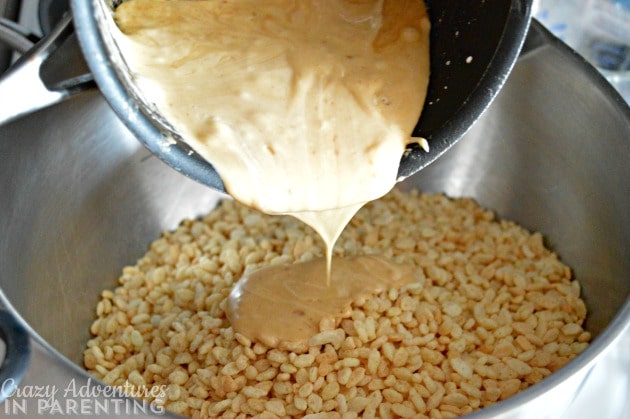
{"x":48,"y":73}
{"x":15,"y":36}
{"x":17,"y":354}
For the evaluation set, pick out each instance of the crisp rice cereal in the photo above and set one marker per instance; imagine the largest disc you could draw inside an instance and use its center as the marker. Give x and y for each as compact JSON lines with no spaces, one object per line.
{"x":491,"y":312}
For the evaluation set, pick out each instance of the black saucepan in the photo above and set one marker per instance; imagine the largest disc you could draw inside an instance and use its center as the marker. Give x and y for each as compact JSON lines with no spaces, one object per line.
{"x":474,"y":45}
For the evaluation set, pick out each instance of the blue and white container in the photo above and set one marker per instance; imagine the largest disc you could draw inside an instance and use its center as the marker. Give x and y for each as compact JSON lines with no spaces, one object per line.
{"x":597,"y":29}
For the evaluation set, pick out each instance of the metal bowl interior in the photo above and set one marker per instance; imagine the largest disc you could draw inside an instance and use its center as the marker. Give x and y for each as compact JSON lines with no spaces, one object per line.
{"x":81,"y":198}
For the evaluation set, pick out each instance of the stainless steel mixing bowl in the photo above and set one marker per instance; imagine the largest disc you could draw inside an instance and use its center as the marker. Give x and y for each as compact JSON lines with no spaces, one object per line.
{"x":80,"y":198}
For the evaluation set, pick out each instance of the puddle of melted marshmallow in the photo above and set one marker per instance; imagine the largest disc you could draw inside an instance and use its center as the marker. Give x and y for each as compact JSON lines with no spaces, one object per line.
{"x":283,"y":306}
{"x":304,"y":107}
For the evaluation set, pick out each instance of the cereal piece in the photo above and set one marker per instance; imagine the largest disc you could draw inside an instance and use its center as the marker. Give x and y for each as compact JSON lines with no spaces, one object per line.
{"x":276,"y":407}
{"x":402,"y":410}
{"x":461,"y":367}
{"x":334,"y":337}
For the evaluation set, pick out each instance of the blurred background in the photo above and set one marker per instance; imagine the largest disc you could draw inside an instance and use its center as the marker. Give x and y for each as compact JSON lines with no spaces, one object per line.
{"x":599,"y":30}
